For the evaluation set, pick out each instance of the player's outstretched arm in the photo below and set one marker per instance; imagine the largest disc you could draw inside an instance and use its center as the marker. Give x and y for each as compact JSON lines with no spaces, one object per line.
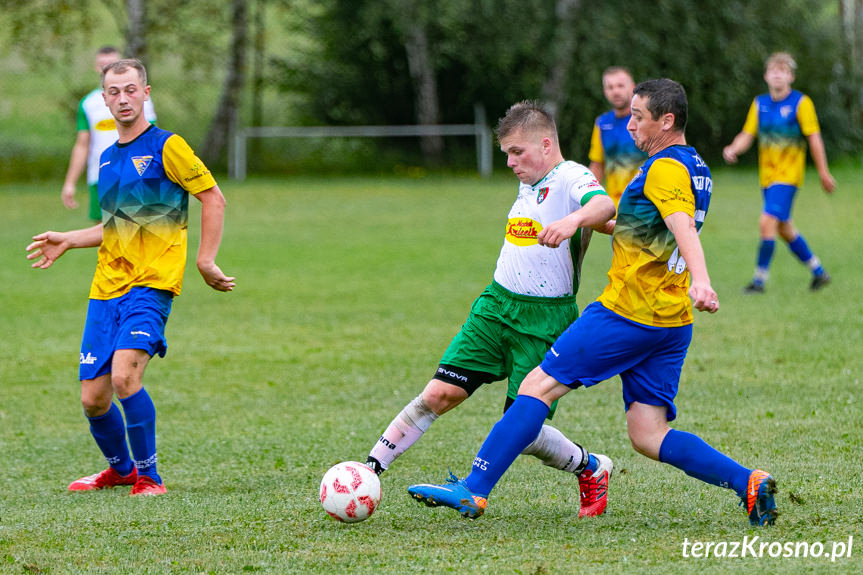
{"x":682,"y":225}
{"x":741,"y":143}
{"x":212,"y":224}
{"x":48,"y":246}
{"x":594,"y":214}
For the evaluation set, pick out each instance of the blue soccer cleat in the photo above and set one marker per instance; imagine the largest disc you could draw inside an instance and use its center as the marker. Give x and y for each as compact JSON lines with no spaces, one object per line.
{"x":454,"y":493}
{"x":759,"y":498}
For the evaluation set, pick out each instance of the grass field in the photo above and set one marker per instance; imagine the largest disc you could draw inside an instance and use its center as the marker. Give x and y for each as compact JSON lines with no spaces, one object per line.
{"x":348,"y":292}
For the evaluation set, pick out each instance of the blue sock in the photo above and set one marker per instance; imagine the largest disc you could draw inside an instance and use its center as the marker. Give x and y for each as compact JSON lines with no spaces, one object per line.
{"x":592,"y":463}
{"x":801,"y":249}
{"x":510,"y":435}
{"x":765,"y":253}
{"x":696,"y":458}
{"x":141,"y":427}
{"x":109,"y":431}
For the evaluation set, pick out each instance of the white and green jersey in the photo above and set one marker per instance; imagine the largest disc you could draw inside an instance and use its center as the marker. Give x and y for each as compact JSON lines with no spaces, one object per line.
{"x":95,"y":116}
{"x":527,"y":268}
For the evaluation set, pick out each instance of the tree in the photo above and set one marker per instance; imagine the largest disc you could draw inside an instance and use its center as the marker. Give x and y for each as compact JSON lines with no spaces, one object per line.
{"x":227,"y":113}
{"x":563,"y":47}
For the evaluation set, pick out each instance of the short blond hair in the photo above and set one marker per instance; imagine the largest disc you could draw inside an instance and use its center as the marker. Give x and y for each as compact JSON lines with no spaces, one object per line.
{"x":781,"y":59}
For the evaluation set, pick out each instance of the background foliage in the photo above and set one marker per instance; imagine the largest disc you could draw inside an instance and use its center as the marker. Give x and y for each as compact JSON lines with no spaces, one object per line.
{"x":346,"y":62}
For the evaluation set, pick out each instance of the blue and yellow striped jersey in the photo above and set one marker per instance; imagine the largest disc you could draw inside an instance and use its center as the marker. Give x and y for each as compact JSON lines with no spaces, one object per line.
{"x":144,"y":188}
{"x":612,"y":145}
{"x":648,"y":281}
{"x":781,"y":128}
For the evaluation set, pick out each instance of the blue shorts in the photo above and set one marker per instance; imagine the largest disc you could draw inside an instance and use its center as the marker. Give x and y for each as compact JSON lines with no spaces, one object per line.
{"x":135,"y":320}
{"x":778,"y":199}
{"x":602,"y":344}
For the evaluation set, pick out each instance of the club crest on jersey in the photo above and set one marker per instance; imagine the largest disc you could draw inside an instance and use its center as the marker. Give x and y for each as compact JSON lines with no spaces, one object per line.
{"x":141,"y":163}
{"x":541,"y":195}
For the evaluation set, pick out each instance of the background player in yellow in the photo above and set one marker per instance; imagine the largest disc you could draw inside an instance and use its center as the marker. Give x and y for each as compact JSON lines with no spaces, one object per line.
{"x":145,"y":179}
{"x":613,"y":155}
{"x":783,"y":120}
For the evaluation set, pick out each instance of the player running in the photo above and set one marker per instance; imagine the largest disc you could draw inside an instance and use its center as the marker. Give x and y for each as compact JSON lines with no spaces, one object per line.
{"x":528,"y":304}
{"x":784,"y":120}
{"x":639,"y":328}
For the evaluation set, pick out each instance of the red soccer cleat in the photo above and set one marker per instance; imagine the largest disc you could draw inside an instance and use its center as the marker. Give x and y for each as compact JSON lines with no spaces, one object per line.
{"x":594,"y":488}
{"x":146,"y":486}
{"x":103,"y":480}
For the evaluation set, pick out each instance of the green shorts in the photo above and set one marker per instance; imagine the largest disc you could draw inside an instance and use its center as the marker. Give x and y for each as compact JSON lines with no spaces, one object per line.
{"x":95,"y":208}
{"x":505,"y":336}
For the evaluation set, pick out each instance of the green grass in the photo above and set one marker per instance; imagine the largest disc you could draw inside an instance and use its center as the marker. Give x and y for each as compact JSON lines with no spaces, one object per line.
{"x":348,"y":292}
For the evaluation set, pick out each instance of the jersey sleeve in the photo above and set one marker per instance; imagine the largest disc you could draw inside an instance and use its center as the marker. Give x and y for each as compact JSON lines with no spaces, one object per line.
{"x":596,"y":153}
{"x":184,"y":168}
{"x":750,"y":126}
{"x":583,"y":186}
{"x":669,"y":187}
{"x":806,"y":117}
{"x":81,"y":118}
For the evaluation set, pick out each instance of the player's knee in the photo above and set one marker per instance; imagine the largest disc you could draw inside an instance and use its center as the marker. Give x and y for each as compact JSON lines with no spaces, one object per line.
{"x":441,"y":396}
{"x":125,"y":384}
{"x":95,"y":404}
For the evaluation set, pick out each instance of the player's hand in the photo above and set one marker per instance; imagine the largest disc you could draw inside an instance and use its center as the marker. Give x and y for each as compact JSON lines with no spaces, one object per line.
{"x":68,"y":196}
{"x":214,"y":277}
{"x":47,"y":246}
{"x":704,"y":298}
{"x":556,"y":232}
{"x":729,"y":155}
{"x":827,"y":182}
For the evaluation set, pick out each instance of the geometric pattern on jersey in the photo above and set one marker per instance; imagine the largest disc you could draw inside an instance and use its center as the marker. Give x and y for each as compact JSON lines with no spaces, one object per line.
{"x":613,"y":145}
{"x":648,"y":280}
{"x":145,"y":213}
{"x":781,"y":127}
{"x":526,"y":268}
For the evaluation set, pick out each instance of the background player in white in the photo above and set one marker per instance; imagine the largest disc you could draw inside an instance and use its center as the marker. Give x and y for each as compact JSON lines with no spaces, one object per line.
{"x":97,"y":130}
{"x":530,"y":302}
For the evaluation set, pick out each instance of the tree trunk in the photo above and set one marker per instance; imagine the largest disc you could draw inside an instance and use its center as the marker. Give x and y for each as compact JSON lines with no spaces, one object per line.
{"x":424,"y":81}
{"x":136,"y":32}
{"x":563,"y":46}
{"x":227,"y":113}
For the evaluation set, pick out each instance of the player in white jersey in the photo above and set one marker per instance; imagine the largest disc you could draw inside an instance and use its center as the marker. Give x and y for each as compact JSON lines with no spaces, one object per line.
{"x":532,"y":298}
{"x":96,"y":131}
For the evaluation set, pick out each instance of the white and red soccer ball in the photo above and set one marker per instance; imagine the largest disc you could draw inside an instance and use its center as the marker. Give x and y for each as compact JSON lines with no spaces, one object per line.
{"x":350,"y":492}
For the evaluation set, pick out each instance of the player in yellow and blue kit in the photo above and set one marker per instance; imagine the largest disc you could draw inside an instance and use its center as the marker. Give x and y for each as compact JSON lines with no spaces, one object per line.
{"x":783,"y":120}
{"x":640,"y":327}
{"x":613,"y":155}
{"x":144,"y":184}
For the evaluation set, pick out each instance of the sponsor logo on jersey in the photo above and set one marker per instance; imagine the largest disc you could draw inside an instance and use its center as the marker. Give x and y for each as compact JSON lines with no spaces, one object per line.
{"x":141,"y":163}
{"x":137,"y":333}
{"x":89,"y":359}
{"x":106,"y":125}
{"x":541,"y":195}
{"x":522,"y":231}
{"x":785,"y":111}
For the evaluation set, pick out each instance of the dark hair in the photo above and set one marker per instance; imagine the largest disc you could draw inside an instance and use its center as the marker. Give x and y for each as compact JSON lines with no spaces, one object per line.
{"x":120,"y":66}
{"x":528,"y":116}
{"x":665,"y":96}
{"x":107,"y":49}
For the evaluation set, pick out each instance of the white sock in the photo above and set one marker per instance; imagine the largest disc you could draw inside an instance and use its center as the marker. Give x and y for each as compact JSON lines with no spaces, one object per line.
{"x":554,"y":449}
{"x":407,"y":427}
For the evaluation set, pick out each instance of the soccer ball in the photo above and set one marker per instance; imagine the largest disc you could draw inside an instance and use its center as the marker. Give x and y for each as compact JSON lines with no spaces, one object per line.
{"x":350,"y":492}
